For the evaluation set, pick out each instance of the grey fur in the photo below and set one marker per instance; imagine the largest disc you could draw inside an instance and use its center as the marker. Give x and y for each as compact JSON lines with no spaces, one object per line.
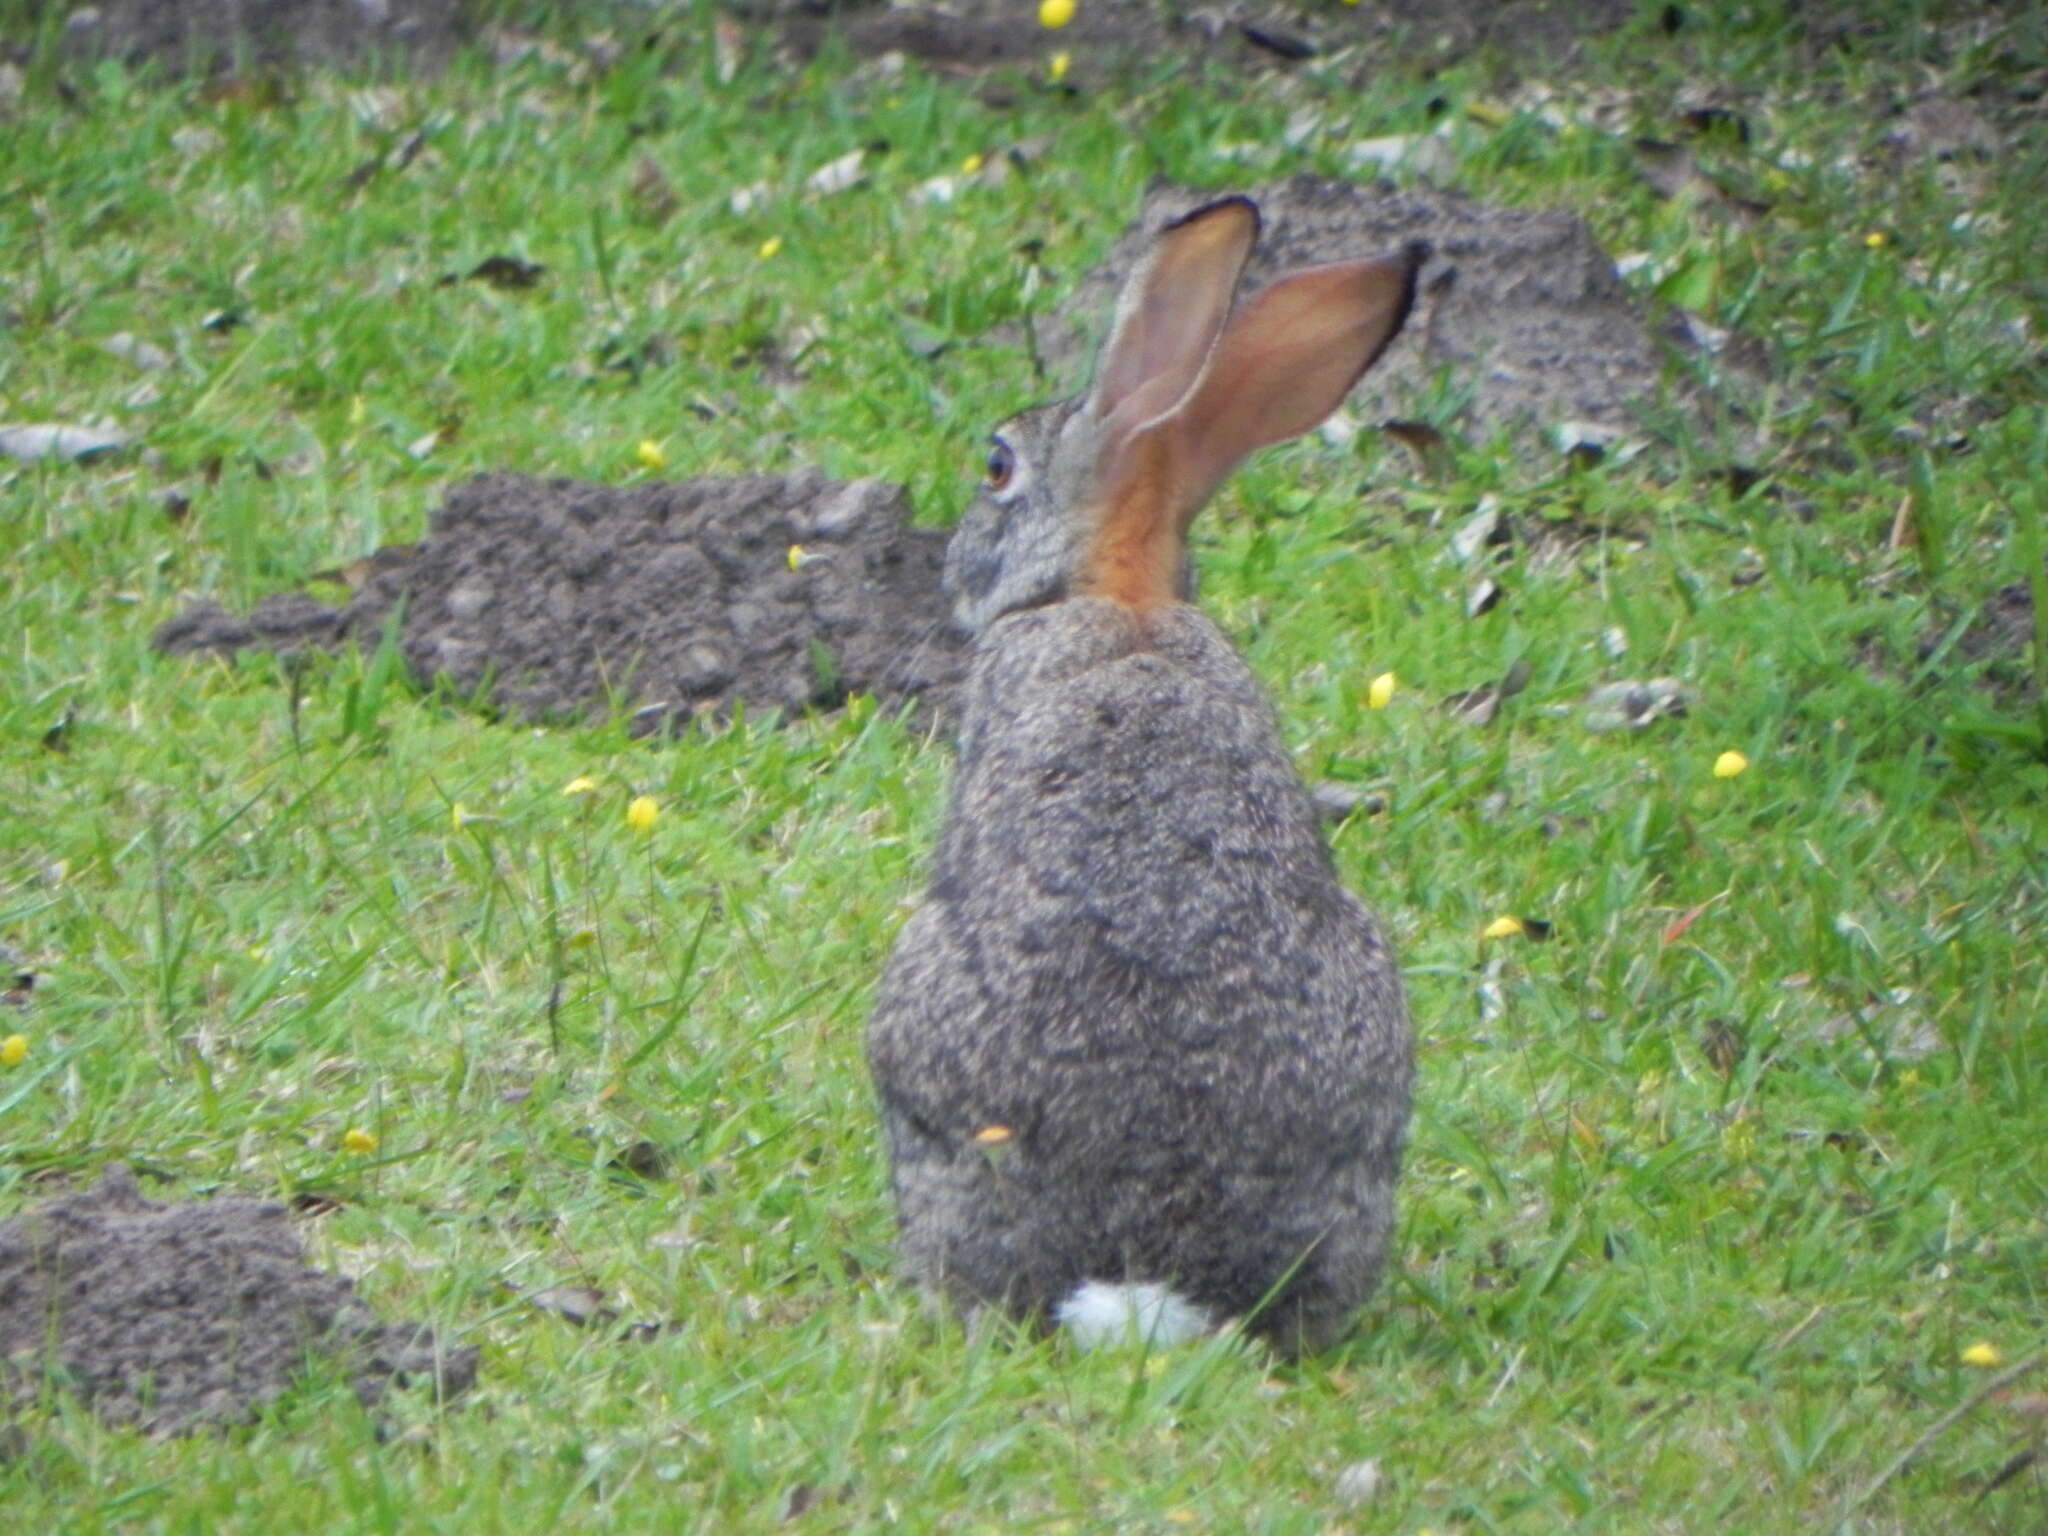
{"x":1018,"y":548}
{"x":1135,"y":960}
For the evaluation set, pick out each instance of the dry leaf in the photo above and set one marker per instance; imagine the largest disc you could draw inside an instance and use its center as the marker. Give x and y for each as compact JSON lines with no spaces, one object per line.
{"x":582,"y":1305}
{"x":1633,"y":706}
{"x":500,"y":272}
{"x":837,"y":175}
{"x":1677,"y":930}
{"x":1724,"y":1046}
{"x":1419,"y":438}
{"x":1482,"y":528}
{"x":728,"y":46}
{"x":1475,"y":706}
{"x":1284,"y":45}
{"x":653,"y":194}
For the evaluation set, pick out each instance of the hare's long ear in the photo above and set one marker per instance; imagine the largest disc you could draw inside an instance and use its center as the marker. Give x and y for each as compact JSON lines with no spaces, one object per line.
{"x":1282,"y":364}
{"x":1286,"y":361}
{"x":1169,"y":315}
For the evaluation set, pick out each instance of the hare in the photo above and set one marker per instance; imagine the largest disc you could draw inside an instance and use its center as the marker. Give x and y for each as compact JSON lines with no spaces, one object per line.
{"x":1141,"y":1061}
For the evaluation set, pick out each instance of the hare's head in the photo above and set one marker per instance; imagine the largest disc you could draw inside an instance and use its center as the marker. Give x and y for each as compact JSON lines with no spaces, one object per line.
{"x":1094,"y":495}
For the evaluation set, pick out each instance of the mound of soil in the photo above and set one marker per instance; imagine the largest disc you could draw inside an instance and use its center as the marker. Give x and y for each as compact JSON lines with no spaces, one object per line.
{"x":1103,"y":37}
{"x":264,"y":35}
{"x":203,"y":35}
{"x":552,"y":599}
{"x":1520,"y":307}
{"x":176,"y":1317}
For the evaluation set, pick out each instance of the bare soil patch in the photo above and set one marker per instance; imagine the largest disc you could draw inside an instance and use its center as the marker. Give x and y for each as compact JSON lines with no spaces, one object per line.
{"x":558,"y":599}
{"x":1522,"y":320}
{"x":261,"y":35}
{"x":1106,"y":36}
{"x":176,"y":1317}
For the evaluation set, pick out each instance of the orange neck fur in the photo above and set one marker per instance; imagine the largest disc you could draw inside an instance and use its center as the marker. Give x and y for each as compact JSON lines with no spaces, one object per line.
{"x":1135,"y":556}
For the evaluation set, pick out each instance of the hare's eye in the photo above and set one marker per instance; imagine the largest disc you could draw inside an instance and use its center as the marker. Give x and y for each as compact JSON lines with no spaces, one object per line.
{"x":1002,"y":465}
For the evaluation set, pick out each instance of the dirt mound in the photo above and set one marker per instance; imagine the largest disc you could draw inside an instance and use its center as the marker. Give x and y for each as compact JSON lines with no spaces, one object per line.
{"x":174,"y":1317}
{"x":264,"y":35}
{"x":553,"y":598}
{"x":1521,"y":311}
{"x":1104,"y":37}
{"x":201,"y":35}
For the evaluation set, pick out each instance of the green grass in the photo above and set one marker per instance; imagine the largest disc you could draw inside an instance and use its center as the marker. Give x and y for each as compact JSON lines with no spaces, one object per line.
{"x":1697,"y":1223}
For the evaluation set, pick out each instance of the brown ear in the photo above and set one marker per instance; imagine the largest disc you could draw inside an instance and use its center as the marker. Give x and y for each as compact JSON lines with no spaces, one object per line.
{"x":1286,"y":361}
{"x":1282,"y":364}
{"x":1169,"y":315}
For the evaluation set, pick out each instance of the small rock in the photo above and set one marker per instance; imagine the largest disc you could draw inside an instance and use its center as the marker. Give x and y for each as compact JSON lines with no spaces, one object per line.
{"x":468,"y":601}
{"x":1358,"y":1483}
{"x":1475,"y":706}
{"x":1335,"y":801}
{"x":1482,"y":528}
{"x":132,"y":350}
{"x":59,"y":440}
{"x":582,"y":1305}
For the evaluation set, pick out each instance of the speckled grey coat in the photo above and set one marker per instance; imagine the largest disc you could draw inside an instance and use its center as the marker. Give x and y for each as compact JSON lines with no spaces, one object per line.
{"x":1138,"y":1032}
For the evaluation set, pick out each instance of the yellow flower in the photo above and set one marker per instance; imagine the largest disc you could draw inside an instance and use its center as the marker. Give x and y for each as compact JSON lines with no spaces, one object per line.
{"x":796,"y":557}
{"x":651,"y":454}
{"x":1506,"y":926}
{"x":1982,"y":1355}
{"x":582,"y":784}
{"x":970,"y":165}
{"x":1054,"y":14}
{"x":1877,"y":239}
{"x":359,"y":1141}
{"x":994,"y":1135}
{"x":1729,"y":764}
{"x":1057,"y":68}
{"x":642,"y":814}
{"x":13,"y":1050}
{"x":1380,"y":693}
{"x":770,"y":246}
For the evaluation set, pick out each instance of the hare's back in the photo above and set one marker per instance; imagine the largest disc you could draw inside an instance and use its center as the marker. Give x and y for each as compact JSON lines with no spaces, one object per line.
{"x":1134,"y":859}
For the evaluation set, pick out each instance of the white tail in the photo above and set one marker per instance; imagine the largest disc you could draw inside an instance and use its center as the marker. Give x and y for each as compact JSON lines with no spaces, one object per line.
{"x":1100,"y":1312}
